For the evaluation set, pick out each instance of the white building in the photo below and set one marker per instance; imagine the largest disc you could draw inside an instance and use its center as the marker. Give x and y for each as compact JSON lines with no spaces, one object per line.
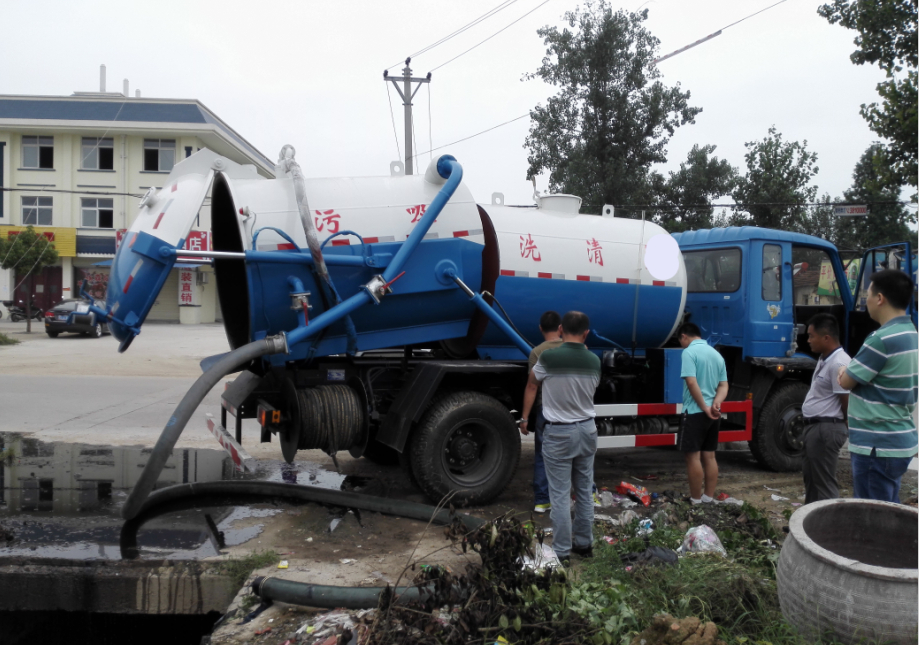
{"x":74,"y":167}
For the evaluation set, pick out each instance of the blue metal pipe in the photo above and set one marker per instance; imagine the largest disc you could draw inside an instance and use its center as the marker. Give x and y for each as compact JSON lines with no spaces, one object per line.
{"x":330,"y":317}
{"x":449,"y":271}
{"x":448,"y":168}
{"x":296,"y":286}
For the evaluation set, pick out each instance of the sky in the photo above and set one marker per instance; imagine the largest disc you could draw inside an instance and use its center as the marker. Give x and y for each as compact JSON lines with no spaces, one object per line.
{"x":310,"y":73}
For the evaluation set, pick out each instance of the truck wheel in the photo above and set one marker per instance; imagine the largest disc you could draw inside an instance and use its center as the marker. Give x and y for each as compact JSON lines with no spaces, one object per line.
{"x":778,"y":441}
{"x":466,"y":444}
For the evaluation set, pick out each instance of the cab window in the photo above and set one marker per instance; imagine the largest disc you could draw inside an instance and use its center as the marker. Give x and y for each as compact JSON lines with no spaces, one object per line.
{"x":713,"y":271}
{"x":772,"y":272}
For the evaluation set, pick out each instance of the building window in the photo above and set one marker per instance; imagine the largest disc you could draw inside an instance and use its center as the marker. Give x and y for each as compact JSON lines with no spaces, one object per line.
{"x":159,"y":154}
{"x":97,"y":154}
{"x":36,"y":211}
{"x":38,"y":152}
{"x":98,"y":213}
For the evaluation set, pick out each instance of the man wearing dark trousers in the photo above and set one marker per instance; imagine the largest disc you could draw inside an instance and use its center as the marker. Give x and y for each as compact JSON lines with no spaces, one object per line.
{"x":705,"y":386}
{"x":569,"y":375}
{"x":824,"y":411}
{"x":550,"y":328}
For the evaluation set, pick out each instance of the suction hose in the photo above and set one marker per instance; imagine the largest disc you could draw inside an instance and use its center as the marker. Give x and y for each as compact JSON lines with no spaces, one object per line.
{"x":189,"y":403}
{"x":184,"y":496}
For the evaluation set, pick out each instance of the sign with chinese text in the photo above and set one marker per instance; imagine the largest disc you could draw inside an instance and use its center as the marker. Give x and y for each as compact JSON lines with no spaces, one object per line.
{"x":197,"y":241}
{"x":64,"y":239}
{"x":188,"y":289}
{"x":850,"y":211}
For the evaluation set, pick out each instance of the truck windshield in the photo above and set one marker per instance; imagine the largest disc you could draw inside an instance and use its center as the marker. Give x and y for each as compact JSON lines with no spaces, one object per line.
{"x":713,"y":270}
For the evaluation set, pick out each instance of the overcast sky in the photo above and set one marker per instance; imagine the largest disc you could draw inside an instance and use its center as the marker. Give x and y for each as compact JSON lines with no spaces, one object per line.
{"x":310,"y":74}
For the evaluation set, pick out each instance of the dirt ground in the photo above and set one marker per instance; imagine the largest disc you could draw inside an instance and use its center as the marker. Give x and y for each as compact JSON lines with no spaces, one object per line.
{"x":375,"y":549}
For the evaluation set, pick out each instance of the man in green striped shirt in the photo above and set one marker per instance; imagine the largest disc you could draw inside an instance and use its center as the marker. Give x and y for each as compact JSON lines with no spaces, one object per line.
{"x":882,"y":378}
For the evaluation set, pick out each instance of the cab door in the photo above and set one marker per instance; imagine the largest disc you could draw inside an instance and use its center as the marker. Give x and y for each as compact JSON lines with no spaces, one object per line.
{"x":901,"y":256}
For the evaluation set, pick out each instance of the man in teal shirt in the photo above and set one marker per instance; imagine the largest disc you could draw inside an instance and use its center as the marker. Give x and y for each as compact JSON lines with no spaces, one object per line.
{"x":705,"y":386}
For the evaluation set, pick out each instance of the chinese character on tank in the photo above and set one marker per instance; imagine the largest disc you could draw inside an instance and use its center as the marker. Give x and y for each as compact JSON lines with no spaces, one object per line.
{"x":416,"y":212}
{"x":594,"y":252}
{"x":528,"y":248}
{"x":327,"y":221}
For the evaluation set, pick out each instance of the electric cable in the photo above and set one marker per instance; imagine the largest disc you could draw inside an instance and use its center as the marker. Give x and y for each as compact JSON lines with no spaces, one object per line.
{"x":430,"y":138}
{"x":485,"y":16}
{"x":67,"y":192}
{"x":392,"y":118}
{"x":506,"y":317}
{"x":494,"y":34}
{"x":523,"y":116}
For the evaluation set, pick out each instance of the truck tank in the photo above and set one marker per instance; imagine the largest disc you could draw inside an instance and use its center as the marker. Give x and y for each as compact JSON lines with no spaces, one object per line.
{"x":531,"y":259}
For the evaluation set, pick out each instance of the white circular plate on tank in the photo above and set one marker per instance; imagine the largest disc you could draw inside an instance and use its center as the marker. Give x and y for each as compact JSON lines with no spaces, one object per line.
{"x":662,"y":257}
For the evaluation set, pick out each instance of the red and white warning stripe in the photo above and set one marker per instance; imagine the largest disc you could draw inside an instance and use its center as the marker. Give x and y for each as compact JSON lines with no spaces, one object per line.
{"x":127,"y":284}
{"x":668,"y":439}
{"x":476,"y":231}
{"x":243,"y":461}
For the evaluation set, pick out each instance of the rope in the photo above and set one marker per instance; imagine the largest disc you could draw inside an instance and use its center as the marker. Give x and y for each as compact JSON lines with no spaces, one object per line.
{"x":331,"y":418}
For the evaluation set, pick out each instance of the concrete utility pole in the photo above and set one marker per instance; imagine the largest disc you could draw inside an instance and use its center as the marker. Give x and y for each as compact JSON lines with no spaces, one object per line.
{"x":407,"y":95}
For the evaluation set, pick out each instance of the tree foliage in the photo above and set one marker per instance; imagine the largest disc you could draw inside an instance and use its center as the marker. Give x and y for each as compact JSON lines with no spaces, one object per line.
{"x":611,"y":119}
{"x":27,"y":253}
{"x":687,"y":194}
{"x":777,"y":183}
{"x":887,"y":37}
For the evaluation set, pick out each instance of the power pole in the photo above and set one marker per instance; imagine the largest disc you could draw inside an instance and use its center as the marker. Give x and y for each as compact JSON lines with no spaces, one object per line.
{"x":407,"y":95}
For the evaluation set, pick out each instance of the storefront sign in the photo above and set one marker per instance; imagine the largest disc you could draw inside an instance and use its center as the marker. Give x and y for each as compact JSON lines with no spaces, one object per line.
{"x":64,"y":239}
{"x":188,"y":290}
{"x":197,"y":241}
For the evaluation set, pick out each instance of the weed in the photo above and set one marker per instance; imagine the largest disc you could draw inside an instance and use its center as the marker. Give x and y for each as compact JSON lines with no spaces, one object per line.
{"x":239,"y":568}
{"x":6,"y":340}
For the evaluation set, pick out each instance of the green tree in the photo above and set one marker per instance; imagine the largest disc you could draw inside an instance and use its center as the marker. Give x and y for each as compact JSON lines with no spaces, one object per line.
{"x":27,"y":253}
{"x":611,"y":118}
{"x":777,"y":183}
{"x":887,"y":37}
{"x":888,"y":220}
{"x":687,"y":194}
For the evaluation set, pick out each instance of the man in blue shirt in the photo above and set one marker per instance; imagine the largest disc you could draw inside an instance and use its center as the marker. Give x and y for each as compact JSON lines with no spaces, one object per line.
{"x":705,"y":386}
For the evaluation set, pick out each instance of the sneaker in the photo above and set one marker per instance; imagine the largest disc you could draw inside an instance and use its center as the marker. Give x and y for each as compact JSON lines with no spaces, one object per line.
{"x":542,"y":508}
{"x":584,"y":552}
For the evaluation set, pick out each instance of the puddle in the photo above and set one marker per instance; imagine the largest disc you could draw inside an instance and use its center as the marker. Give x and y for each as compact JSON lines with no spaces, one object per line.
{"x":64,"y":500}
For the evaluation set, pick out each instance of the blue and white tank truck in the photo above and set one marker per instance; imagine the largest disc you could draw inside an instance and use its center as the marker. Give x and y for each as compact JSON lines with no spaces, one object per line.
{"x":392,"y":317}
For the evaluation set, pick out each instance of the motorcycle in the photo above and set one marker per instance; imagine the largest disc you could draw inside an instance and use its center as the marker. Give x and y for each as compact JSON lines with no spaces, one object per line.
{"x":18,"y":311}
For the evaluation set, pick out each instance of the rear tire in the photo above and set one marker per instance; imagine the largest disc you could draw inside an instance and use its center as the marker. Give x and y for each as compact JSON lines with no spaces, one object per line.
{"x":97,"y":331}
{"x":53,"y":334}
{"x":778,"y":441}
{"x":16,"y":317}
{"x":467,"y":444}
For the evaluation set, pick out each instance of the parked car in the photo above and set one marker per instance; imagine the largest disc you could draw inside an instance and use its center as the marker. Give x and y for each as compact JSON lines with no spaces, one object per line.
{"x":74,"y":316}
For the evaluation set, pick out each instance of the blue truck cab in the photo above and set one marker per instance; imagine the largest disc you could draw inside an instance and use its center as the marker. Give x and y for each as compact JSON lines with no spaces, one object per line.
{"x":752,"y":291}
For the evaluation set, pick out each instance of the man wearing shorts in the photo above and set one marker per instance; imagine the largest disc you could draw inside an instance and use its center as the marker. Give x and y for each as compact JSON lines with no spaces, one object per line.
{"x":705,"y":386}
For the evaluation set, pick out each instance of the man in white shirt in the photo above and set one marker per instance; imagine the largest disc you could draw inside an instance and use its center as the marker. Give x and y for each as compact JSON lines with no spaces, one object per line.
{"x":824,"y":411}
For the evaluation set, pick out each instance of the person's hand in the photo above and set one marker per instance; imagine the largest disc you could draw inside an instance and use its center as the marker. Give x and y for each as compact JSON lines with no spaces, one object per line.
{"x":716,"y":410}
{"x":522,"y":424}
{"x":711,"y":412}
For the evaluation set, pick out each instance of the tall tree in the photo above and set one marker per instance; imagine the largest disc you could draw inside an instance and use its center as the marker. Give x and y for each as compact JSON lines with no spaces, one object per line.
{"x":887,"y":37}
{"x":888,"y":220}
{"x":687,"y":194}
{"x":27,"y":253}
{"x":777,"y":183}
{"x":611,"y":118}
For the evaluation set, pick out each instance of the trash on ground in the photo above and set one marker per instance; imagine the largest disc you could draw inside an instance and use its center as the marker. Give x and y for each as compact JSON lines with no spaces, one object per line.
{"x":655,"y":555}
{"x":347,"y":560}
{"x":730,"y":500}
{"x":605,"y":518}
{"x":645,"y":527}
{"x":778,"y":498}
{"x":702,"y":539}
{"x":638,"y":493}
{"x":606,"y":498}
{"x":796,"y":503}
{"x":627,"y":516}
{"x":259,"y":632}
{"x":609,"y":539}
{"x":649,"y":477}
{"x":282,"y":564}
{"x":665,"y":628}
{"x":330,"y":625}
{"x":775,"y":490}
{"x":543,"y":557}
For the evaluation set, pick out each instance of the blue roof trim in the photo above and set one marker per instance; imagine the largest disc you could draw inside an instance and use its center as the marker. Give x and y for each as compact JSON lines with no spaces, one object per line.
{"x":732,"y":234}
{"x":127,"y":110}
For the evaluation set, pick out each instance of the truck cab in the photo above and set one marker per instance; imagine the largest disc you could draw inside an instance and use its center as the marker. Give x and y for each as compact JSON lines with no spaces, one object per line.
{"x":752,"y":292}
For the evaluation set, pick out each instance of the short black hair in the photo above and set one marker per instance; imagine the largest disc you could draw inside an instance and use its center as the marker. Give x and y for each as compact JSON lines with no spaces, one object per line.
{"x":894,"y":285}
{"x":550,"y":321}
{"x":825,"y":325}
{"x":575,"y":323}
{"x":689,"y":329}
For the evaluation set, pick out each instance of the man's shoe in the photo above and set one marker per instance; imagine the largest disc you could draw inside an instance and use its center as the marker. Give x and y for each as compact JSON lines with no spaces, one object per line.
{"x":584,"y":552}
{"x":542,"y":508}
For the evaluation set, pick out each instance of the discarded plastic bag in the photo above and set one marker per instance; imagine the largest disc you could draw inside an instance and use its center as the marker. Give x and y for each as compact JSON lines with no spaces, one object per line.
{"x":655,"y":555}
{"x":606,"y":498}
{"x":778,"y":498}
{"x":638,"y":493}
{"x":702,"y":539}
{"x":544,"y":557}
{"x":627,"y":516}
{"x":645,"y":527}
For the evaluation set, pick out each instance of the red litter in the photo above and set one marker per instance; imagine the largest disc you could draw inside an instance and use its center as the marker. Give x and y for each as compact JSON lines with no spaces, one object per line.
{"x":722,"y":496}
{"x":638,"y":493}
{"x":267,"y":630}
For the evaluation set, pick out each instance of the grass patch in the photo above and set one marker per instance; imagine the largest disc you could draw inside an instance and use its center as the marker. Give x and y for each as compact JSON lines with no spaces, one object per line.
{"x":6,"y":340}
{"x":239,"y":568}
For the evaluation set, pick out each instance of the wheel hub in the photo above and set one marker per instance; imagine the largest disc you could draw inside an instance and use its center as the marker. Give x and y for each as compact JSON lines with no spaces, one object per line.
{"x":463,"y":449}
{"x":792,"y":429}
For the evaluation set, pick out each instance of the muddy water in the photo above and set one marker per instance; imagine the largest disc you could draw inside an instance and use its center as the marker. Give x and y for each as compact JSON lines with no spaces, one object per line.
{"x":63,"y":500}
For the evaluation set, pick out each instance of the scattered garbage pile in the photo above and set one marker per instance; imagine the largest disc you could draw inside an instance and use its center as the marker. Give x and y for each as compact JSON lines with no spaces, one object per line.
{"x":667,"y":630}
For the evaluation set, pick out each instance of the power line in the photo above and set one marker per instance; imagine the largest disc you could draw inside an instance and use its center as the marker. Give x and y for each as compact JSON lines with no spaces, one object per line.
{"x":393,"y":119}
{"x":68,"y":192}
{"x":493,"y":35}
{"x":523,"y":116}
{"x":469,"y":25}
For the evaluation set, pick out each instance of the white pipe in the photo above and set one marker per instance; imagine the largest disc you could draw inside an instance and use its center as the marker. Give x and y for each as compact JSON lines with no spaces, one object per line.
{"x":126,"y":90}
{"x":101,"y":78}
{"x":124,"y":176}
